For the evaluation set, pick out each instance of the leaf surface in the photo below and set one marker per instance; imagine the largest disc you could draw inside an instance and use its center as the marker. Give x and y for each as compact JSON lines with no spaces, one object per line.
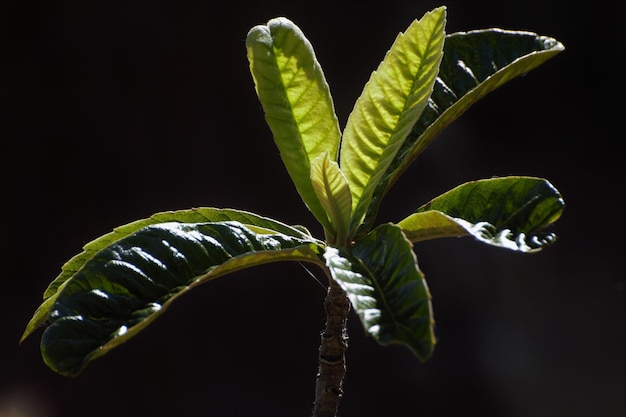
{"x":390,"y":104}
{"x":386,"y":288}
{"x":195,"y":215}
{"x":474,"y":64}
{"x":333,"y":192}
{"x":509,"y":212}
{"x":296,"y":101}
{"x":125,"y":285}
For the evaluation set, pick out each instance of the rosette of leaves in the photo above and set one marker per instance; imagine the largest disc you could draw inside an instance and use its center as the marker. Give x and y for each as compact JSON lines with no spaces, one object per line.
{"x":127,"y":278}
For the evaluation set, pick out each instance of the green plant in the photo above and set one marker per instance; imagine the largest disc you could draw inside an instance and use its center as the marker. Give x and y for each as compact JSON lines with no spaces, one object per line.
{"x":127,"y":278}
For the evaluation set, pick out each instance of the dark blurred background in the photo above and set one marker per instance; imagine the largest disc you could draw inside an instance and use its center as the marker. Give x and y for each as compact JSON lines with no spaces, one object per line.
{"x":113,"y":111}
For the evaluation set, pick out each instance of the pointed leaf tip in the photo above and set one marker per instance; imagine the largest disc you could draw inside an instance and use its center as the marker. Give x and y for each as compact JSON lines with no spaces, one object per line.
{"x":391,"y":102}
{"x":474,"y":64}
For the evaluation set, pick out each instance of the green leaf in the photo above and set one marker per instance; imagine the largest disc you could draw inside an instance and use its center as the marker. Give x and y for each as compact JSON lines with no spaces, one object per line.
{"x":196,"y":215}
{"x":474,"y":64}
{"x":124,"y":286}
{"x":333,"y":192}
{"x":390,"y":104}
{"x":296,"y":100}
{"x":431,"y":225}
{"x":509,"y":212}
{"x":386,"y":288}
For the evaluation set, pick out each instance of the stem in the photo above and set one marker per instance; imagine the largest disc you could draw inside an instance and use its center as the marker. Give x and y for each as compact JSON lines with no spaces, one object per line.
{"x":332,"y":358}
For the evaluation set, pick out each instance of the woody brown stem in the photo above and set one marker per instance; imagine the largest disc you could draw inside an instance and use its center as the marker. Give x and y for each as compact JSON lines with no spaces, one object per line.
{"x":332,"y":363}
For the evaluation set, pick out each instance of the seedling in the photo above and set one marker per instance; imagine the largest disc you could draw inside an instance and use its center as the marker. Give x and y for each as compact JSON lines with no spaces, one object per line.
{"x":125,"y":279}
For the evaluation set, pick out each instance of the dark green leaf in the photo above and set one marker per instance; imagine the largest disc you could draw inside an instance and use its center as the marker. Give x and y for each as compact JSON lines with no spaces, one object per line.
{"x":509,"y":212}
{"x":386,"y":288}
{"x":196,"y":215}
{"x":124,"y":286}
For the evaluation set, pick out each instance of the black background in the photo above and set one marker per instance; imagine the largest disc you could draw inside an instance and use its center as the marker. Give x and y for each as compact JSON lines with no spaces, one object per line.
{"x":113,"y":111}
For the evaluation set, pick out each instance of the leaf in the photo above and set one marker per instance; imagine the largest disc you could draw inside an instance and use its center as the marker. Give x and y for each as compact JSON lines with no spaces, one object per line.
{"x":127,"y":284}
{"x":431,"y":224}
{"x":390,"y":104}
{"x":509,"y":212}
{"x":196,"y":215}
{"x":333,"y":191}
{"x":474,"y":64}
{"x":296,"y":100}
{"x":386,"y":288}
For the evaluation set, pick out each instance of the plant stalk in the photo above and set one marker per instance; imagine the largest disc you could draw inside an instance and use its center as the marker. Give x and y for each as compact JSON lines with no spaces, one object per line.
{"x":332,"y":353}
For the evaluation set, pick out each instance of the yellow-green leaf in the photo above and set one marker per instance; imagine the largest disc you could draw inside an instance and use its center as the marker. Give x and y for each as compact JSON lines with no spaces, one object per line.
{"x":296,"y":100}
{"x":474,"y":64}
{"x":392,"y":101}
{"x":333,"y":191}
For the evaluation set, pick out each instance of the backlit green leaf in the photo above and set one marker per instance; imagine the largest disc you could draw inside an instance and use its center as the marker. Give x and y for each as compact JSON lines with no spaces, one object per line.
{"x":296,"y":100}
{"x":474,"y":64}
{"x":334,"y":194}
{"x":390,"y":104}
